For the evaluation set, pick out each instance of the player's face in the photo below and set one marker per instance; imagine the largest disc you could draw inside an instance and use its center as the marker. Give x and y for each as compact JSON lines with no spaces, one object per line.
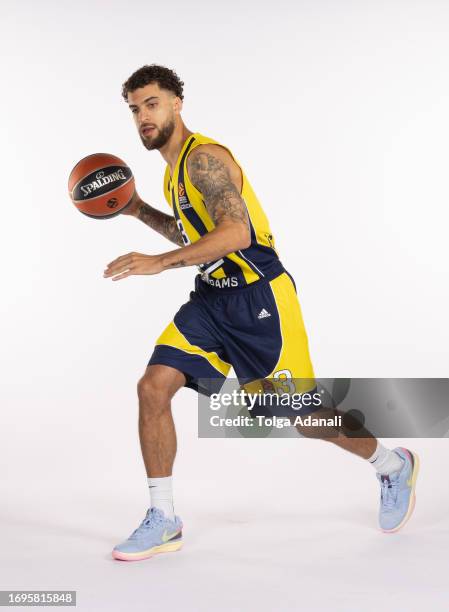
{"x":154,"y":112}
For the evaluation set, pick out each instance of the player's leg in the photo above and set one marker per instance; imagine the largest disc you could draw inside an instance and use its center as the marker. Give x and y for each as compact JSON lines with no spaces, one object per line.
{"x":157,"y":432}
{"x":279,"y":352}
{"x":187,"y":353}
{"x":161,"y":530}
{"x":396,"y":469}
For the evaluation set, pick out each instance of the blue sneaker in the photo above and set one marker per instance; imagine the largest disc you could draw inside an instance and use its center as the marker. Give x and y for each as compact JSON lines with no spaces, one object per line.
{"x":397,"y":492}
{"x":155,"y":534}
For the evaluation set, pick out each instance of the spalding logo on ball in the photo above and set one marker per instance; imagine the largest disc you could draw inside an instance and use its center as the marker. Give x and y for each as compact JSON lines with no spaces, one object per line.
{"x":101,"y":185}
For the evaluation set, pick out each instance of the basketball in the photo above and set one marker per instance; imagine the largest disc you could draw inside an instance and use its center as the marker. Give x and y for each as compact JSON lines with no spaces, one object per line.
{"x":101,"y":185}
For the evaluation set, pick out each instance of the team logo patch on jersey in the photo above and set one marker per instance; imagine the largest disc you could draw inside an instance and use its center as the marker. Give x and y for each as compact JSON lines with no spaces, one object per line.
{"x":182,"y":197}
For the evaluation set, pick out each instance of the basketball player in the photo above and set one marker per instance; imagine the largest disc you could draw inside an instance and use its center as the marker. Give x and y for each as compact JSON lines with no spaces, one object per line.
{"x":244,"y":311}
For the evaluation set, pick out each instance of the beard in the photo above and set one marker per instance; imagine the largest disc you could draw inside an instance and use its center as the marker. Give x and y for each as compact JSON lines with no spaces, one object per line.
{"x":162,"y":137}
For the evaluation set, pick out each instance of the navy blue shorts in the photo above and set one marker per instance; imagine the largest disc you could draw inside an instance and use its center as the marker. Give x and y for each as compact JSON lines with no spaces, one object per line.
{"x":257,"y":330}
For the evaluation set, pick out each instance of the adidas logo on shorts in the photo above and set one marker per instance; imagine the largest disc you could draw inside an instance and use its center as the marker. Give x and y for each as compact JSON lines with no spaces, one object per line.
{"x":263,"y":314}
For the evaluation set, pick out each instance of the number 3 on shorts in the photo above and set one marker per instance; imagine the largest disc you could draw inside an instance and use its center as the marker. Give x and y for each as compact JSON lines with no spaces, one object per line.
{"x":285,"y":377}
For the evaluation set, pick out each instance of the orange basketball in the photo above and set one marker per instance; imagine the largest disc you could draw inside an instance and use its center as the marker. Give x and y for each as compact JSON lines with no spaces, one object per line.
{"x":101,"y":185}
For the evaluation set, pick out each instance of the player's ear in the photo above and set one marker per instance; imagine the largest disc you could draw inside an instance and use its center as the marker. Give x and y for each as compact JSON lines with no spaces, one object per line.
{"x":177,"y":105}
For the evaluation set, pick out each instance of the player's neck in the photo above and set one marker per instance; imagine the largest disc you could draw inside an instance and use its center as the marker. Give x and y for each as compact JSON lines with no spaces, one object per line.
{"x":171,"y":150}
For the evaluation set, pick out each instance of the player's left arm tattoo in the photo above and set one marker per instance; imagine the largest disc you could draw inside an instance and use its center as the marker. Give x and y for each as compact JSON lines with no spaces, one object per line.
{"x":212,"y":178}
{"x":179,"y":263}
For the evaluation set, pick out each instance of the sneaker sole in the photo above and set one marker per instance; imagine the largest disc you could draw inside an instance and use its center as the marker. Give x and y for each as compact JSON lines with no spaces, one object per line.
{"x":146,"y":554}
{"x":412,"y":502}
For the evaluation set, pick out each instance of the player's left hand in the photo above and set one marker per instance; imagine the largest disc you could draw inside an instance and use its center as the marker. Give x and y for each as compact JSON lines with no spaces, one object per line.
{"x":133,"y":263}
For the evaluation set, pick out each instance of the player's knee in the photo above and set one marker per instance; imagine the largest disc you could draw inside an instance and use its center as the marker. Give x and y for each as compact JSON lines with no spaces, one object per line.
{"x":153,"y":395}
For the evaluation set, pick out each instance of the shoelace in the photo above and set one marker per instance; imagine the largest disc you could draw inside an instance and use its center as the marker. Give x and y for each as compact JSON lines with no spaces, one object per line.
{"x":152,"y":518}
{"x":389,"y":492}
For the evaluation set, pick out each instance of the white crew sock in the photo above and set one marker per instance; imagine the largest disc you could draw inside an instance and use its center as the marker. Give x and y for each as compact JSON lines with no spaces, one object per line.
{"x":385,"y":461}
{"x":161,"y":495}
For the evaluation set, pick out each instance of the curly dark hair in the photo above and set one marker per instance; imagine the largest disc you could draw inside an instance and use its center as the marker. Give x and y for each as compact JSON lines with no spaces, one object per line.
{"x":153,"y":73}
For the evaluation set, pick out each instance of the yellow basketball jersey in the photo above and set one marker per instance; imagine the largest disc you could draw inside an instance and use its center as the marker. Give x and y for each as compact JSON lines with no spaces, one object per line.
{"x":238,"y":269}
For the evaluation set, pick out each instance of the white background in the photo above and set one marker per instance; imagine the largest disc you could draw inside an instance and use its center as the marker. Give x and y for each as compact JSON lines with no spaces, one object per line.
{"x":338,"y":113}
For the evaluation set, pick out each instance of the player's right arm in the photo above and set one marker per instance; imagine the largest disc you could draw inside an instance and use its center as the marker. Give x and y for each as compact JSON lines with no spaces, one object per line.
{"x":157,"y":220}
